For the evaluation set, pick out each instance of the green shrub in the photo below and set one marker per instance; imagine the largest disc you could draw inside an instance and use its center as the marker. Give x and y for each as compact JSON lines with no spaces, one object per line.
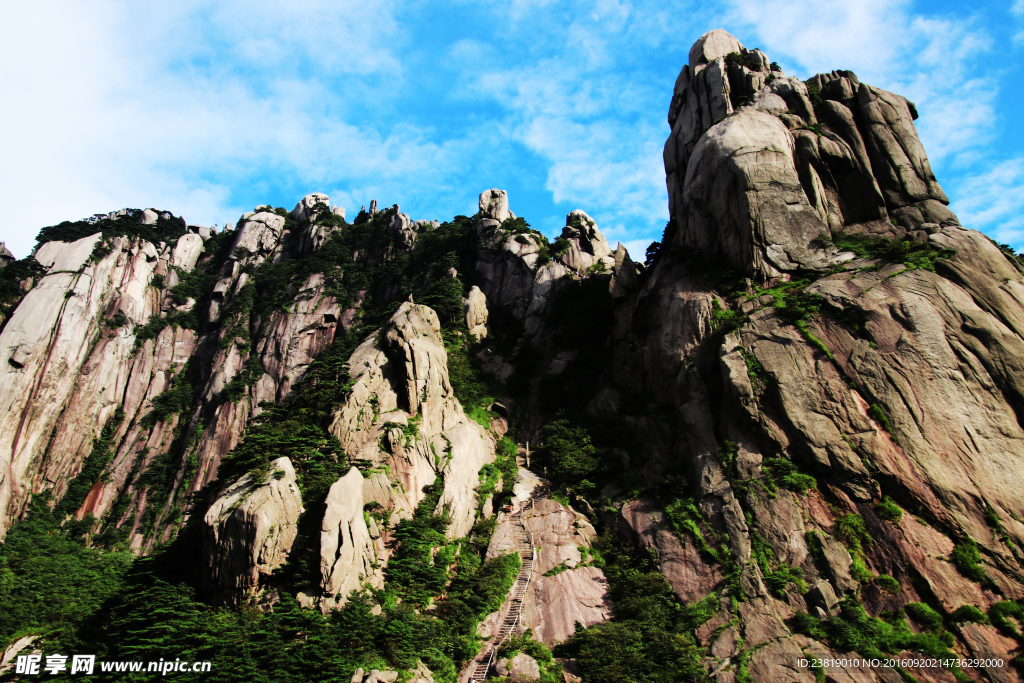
{"x":887,"y":583}
{"x":879,"y":415}
{"x":786,"y":475}
{"x":858,"y":570}
{"x":176,"y":399}
{"x":746,"y":59}
{"x":968,"y":613}
{"x":525,"y":643}
{"x":726,"y":320}
{"x":925,"y":616}
{"x":252,"y":371}
{"x":117,"y":320}
{"x":557,"y":569}
{"x":888,"y":510}
{"x":782,"y":576}
{"x":967,"y":559}
{"x":650,"y":635}
{"x":50,"y":582}
{"x":166,"y":230}
{"x":912,"y":254}
{"x":1000,"y":614}
{"x":571,"y":450}
{"x":851,"y":531}
{"x":853,"y":630}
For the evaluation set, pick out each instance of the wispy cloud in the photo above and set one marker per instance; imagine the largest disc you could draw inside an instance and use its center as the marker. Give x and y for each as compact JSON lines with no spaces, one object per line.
{"x":1017,"y":10}
{"x":207,"y":108}
{"x":995,"y":199}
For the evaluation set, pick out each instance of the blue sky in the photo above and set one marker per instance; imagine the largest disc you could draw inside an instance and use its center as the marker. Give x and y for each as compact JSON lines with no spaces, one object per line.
{"x":207,"y":109}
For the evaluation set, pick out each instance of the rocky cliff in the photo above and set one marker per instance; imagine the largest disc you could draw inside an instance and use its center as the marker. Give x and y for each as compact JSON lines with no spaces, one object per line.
{"x":795,"y":429}
{"x":839,"y":388}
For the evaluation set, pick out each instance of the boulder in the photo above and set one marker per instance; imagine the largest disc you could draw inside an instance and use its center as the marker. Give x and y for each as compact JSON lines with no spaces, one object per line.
{"x":402,"y":227}
{"x":712,"y":45}
{"x":742,"y":201}
{"x":494,"y":204}
{"x":259,"y":234}
{"x":307,"y":207}
{"x":414,"y":345}
{"x":348,"y":558}
{"x":476,"y":313}
{"x":520,"y":668}
{"x":186,"y":251}
{"x":587,"y":245}
{"x":249,"y":530}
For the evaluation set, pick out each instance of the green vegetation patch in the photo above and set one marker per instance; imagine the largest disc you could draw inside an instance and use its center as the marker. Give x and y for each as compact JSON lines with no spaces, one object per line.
{"x":854,"y":630}
{"x":175,"y":399}
{"x":167,"y":230}
{"x":888,"y":510}
{"x":784,"y":472}
{"x":650,"y":637}
{"x":777,"y":575}
{"x":967,"y":559}
{"x":912,"y":254}
{"x":968,"y":614}
{"x":11,"y":277}
{"x":887,"y":584}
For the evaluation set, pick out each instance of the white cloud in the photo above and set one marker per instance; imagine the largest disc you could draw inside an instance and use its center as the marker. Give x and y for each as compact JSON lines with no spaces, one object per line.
{"x":177,"y":104}
{"x":196,"y":107}
{"x":994,"y":201}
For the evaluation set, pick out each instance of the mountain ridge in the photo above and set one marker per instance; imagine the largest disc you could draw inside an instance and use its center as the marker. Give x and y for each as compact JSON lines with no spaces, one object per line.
{"x":792,"y":431}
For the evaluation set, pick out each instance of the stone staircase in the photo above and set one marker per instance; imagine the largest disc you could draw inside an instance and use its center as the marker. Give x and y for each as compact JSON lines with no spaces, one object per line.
{"x":527,"y":552}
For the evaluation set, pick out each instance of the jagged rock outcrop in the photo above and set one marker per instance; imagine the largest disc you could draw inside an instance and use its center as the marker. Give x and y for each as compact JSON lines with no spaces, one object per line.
{"x":587,"y":245}
{"x":348,"y":555}
{"x":400,"y":379}
{"x":249,"y":530}
{"x":512,"y":273}
{"x":259,"y":235}
{"x":494,"y":205}
{"x":309,"y":205}
{"x":5,"y":255}
{"x":898,"y":377}
{"x":76,"y":363}
{"x":476,"y":313}
{"x":756,"y":170}
{"x":403,"y":228}
{"x":742,"y":202}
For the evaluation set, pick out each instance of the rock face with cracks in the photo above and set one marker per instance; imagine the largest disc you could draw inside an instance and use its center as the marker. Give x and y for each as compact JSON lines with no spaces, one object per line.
{"x":579,"y":593}
{"x":249,"y":531}
{"x":400,"y":376}
{"x":841,"y":379}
